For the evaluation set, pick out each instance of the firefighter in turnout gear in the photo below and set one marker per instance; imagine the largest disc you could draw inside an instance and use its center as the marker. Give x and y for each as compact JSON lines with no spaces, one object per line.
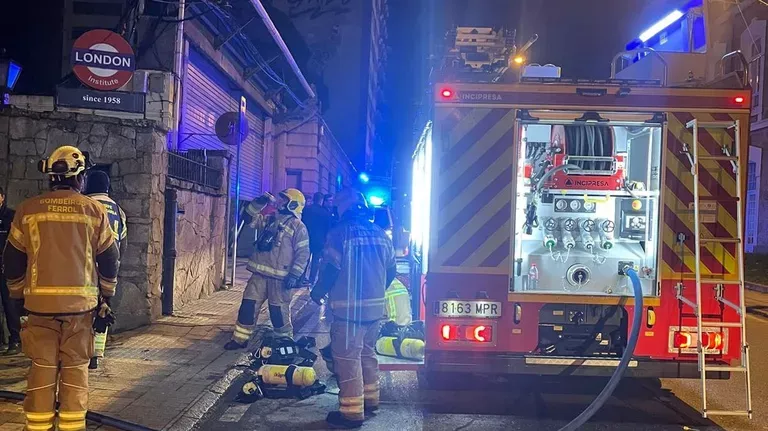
{"x":277,"y":264}
{"x":97,"y":187}
{"x":359,"y":264}
{"x":60,"y":257}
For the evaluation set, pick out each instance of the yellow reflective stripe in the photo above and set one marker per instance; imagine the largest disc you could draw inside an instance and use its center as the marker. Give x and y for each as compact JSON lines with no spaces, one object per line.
{"x":361,"y":303}
{"x":44,"y":366}
{"x":351,"y":405}
{"x":266,"y":270}
{"x":108,"y":286}
{"x":72,"y":416}
{"x":244,"y":331}
{"x":39,"y":417}
{"x":42,"y":427}
{"x":60,"y":217}
{"x":62,"y":291}
{"x":17,"y":235}
{"x":304,"y":243}
{"x":16,"y":286}
{"x":37,"y":388}
{"x":100,"y":343}
{"x":72,"y":425}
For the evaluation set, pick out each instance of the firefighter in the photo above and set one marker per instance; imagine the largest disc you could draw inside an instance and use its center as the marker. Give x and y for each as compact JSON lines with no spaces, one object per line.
{"x":97,"y":187}
{"x":398,"y":302}
{"x":60,"y":257}
{"x":12,"y":313}
{"x":277,"y":264}
{"x":358,"y":265}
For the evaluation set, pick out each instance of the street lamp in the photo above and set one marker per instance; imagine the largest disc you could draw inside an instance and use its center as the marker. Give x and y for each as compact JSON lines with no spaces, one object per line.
{"x":9,"y":75}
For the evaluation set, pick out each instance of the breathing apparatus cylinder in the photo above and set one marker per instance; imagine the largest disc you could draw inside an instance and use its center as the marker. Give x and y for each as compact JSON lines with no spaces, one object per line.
{"x":287,"y":375}
{"x":408,"y":348}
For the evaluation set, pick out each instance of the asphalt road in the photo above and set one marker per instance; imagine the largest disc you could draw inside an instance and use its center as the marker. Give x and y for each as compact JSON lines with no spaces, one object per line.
{"x":470,"y":402}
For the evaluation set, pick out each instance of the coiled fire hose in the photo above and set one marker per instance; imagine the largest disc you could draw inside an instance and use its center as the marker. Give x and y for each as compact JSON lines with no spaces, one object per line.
{"x":625,"y":358}
{"x":91,"y":416}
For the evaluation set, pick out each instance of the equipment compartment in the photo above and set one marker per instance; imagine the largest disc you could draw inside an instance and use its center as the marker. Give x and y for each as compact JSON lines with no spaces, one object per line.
{"x":587,"y":205}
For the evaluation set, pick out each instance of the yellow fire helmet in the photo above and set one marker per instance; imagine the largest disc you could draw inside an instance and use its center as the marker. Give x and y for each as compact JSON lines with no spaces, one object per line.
{"x":66,"y":161}
{"x":296,"y":201}
{"x":350,"y":199}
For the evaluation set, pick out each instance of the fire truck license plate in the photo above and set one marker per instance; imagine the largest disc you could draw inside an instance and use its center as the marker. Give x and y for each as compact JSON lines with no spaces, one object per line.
{"x":483,"y":309}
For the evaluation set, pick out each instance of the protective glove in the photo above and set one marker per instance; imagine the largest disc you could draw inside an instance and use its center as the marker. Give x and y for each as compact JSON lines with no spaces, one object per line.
{"x":291,"y":281}
{"x":316,"y":297}
{"x":265,"y":199}
{"x":104,"y":318}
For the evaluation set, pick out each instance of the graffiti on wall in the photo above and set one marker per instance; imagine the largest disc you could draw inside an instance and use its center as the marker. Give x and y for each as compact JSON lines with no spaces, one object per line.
{"x":316,"y":8}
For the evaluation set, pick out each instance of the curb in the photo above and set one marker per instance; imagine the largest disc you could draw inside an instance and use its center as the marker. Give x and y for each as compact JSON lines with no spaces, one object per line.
{"x":194,"y":414}
{"x":762,"y":288}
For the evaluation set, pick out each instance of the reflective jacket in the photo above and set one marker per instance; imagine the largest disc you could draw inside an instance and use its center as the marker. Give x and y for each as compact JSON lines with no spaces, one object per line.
{"x":398,"y":303}
{"x":61,"y":232}
{"x":115,"y":214}
{"x":290,"y":250}
{"x":363,"y":254}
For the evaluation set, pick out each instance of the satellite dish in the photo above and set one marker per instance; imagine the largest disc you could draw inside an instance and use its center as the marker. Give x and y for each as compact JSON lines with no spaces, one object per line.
{"x":225,"y":125}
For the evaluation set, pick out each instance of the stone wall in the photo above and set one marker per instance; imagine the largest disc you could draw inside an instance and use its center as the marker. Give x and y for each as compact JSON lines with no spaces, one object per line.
{"x":135,"y":151}
{"x":200,"y":241}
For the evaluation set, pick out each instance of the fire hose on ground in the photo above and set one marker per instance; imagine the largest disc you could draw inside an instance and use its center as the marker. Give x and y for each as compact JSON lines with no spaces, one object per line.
{"x":625,"y":358}
{"x":91,"y":416}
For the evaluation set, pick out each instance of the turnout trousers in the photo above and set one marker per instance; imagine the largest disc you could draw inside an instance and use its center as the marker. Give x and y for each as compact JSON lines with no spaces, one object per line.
{"x":259,"y":289}
{"x":356,"y":367}
{"x":60,"y":348}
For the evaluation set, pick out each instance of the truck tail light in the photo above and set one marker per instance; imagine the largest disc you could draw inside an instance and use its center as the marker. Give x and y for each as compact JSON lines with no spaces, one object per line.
{"x":682,"y":340}
{"x":481,"y":333}
{"x":712,"y":340}
{"x":474,"y":333}
{"x":448,"y":332}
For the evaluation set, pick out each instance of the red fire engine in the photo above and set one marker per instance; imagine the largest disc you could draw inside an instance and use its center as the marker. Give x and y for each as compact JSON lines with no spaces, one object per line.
{"x":532,"y":200}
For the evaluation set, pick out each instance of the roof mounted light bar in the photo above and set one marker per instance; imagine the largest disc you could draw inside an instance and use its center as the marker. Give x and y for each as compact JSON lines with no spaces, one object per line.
{"x":660,"y":25}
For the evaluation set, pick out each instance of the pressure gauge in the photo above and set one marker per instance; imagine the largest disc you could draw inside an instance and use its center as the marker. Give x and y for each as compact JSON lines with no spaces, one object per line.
{"x":575,"y":205}
{"x":589,"y":206}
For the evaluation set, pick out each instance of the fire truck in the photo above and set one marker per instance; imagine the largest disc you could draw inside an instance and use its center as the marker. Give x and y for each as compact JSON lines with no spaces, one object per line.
{"x":532,"y":199}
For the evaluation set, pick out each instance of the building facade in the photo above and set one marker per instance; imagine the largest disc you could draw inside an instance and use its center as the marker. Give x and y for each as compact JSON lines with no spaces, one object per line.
{"x":192,"y":71}
{"x":347,"y":50}
{"x":745,"y":29}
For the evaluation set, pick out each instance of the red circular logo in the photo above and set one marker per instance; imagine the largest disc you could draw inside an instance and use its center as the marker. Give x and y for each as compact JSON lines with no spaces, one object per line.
{"x":103,"y":60}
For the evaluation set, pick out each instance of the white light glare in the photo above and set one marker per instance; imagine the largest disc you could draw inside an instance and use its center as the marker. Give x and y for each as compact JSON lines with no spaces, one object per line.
{"x":661,"y":25}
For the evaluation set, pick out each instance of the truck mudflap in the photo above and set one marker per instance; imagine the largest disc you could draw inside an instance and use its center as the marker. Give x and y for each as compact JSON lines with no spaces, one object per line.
{"x":463,"y":362}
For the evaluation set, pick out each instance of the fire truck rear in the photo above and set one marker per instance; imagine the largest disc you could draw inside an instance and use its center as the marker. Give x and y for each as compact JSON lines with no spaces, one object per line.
{"x":532,"y":199}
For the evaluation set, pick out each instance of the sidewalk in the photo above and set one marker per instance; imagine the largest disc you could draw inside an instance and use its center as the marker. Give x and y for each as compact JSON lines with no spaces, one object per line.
{"x":159,"y":376}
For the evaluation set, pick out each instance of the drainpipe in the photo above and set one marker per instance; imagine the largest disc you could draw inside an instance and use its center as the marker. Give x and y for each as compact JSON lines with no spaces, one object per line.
{"x":228,"y":210}
{"x":177,"y":71}
{"x":283,"y":47}
{"x":169,"y":250}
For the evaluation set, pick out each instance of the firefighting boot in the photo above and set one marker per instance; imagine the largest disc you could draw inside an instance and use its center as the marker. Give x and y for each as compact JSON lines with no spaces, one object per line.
{"x":94,"y":364}
{"x":337,"y":421}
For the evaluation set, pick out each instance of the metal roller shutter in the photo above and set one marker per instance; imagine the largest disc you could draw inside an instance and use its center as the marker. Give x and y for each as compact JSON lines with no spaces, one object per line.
{"x":251,"y":164}
{"x":208,"y":94}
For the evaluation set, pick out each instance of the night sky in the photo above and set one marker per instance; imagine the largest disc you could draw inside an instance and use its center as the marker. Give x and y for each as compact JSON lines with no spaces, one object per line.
{"x":581,"y":36}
